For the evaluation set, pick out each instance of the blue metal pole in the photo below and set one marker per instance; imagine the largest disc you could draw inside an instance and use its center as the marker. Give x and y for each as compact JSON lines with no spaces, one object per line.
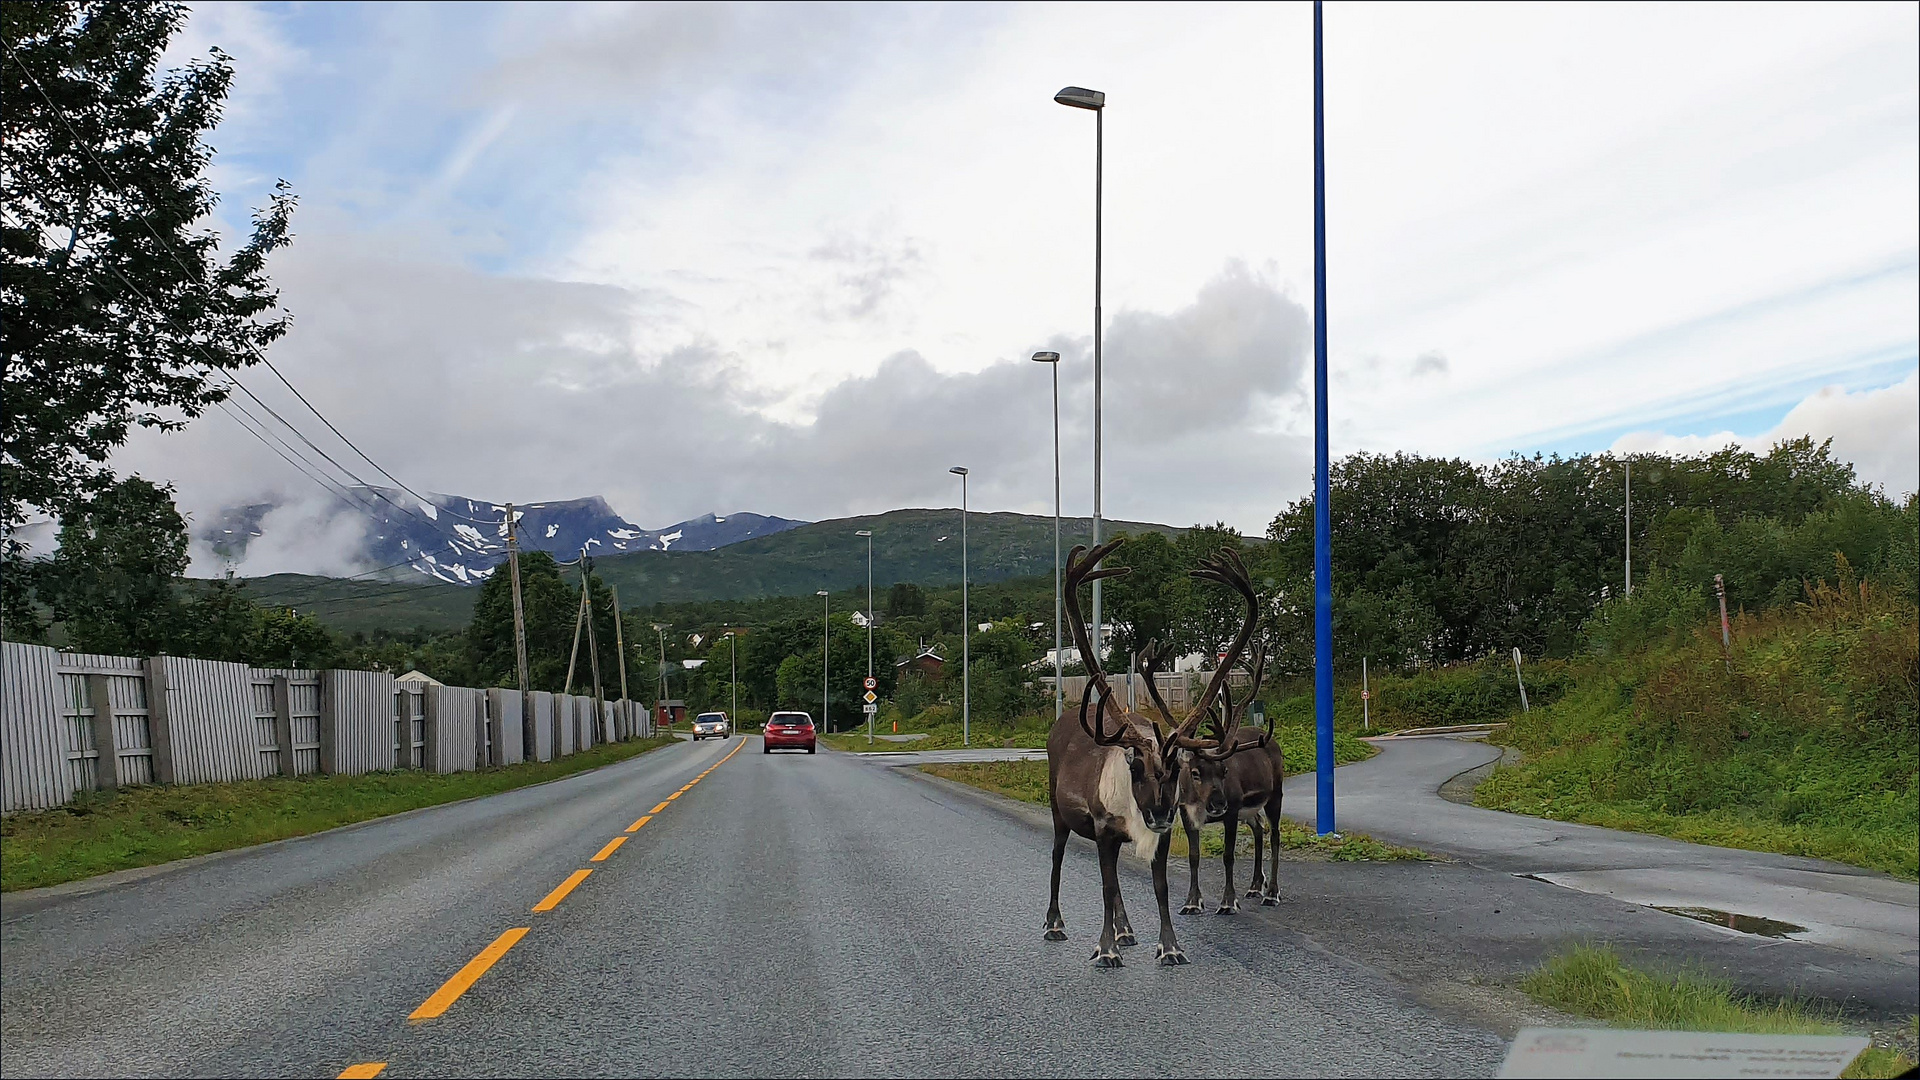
{"x":1322,"y":508}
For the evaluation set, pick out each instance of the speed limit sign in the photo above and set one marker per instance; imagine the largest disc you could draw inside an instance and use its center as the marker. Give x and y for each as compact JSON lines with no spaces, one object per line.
{"x":871,"y":682}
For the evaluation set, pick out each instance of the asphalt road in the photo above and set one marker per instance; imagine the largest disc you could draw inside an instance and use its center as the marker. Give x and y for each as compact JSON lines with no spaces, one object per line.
{"x":786,"y":916}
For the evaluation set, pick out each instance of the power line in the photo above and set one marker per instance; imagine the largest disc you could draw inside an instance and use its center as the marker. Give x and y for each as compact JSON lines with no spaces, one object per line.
{"x":258,"y":353}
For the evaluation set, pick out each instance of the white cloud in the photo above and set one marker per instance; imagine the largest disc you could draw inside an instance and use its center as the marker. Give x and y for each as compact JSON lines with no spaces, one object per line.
{"x":791,"y":259}
{"x":1877,"y":430}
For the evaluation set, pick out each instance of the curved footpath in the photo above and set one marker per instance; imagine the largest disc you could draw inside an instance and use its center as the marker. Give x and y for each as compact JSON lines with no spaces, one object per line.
{"x":1395,"y":796}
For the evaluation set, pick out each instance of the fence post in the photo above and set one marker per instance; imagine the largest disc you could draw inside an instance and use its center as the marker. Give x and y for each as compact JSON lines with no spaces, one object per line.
{"x":106,"y":768}
{"x":159,"y":719}
{"x":283,"y":722}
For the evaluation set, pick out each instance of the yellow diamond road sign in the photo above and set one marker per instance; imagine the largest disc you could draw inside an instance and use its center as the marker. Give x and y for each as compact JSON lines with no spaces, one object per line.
{"x":871,"y":698}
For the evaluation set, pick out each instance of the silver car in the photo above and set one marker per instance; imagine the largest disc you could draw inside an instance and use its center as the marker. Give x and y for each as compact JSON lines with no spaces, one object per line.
{"x":711,"y":725}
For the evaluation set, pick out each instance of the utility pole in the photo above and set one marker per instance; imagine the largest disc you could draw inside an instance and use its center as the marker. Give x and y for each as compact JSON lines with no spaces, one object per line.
{"x":620,"y":649}
{"x":1726,"y":637}
{"x":573,"y":655}
{"x":519,"y":611}
{"x":824,"y":601}
{"x":1629,"y":581}
{"x":593,"y":646}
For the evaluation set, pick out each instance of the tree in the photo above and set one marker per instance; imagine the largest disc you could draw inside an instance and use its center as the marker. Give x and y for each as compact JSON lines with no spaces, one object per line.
{"x":551,"y":607}
{"x":117,"y":308}
{"x":112,"y":581}
{"x":906,"y":601}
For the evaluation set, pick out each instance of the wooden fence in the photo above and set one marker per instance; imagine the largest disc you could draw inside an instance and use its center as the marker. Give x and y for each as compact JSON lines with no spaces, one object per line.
{"x":1180,"y":689}
{"x":74,"y":722}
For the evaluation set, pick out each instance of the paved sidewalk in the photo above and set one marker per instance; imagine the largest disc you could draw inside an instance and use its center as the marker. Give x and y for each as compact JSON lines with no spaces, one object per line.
{"x":1395,"y":796}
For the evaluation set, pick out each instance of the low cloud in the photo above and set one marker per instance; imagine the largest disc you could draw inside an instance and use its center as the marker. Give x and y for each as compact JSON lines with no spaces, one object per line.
{"x":501,"y":388}
{"x":1877,"y":430}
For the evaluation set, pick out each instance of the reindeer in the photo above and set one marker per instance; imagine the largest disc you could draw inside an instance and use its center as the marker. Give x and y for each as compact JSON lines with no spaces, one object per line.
{"x":1236,"y":781}
{"x":1116,"y":779}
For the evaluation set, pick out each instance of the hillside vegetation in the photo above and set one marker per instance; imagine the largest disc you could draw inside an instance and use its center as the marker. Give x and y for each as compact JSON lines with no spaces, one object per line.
{"x":1800,"y":739}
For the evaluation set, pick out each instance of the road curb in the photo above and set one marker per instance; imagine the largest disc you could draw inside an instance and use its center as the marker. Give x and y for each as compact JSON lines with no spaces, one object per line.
{"x":24,"y":902}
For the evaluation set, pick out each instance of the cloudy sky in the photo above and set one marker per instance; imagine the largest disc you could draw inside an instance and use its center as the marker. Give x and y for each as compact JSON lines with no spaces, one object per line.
{"x":791,"y":259}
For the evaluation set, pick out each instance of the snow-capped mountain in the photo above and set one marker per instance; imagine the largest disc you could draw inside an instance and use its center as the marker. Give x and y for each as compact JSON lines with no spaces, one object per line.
{"x":461,"y":540}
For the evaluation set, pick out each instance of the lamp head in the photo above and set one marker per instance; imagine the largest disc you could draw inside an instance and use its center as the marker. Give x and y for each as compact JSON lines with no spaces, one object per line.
{"x":958,"y":470}
{"x":1046,"y":358}
{"x":1080,"y":97}
{"x":864,"y":532}
{"x":822,"y":592}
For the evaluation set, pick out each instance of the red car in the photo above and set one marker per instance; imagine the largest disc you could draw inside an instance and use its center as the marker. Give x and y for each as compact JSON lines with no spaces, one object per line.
{"x":788,"y":731}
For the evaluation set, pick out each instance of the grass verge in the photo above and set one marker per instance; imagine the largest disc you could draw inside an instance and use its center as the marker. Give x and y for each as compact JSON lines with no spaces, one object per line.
{"x":1027,"y":782}
{"x":1592,"y":981}
{"x":143,"y":826}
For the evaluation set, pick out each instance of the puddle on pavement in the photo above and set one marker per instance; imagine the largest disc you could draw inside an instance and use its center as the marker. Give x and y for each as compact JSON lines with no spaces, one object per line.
{"x":1746,"y":924}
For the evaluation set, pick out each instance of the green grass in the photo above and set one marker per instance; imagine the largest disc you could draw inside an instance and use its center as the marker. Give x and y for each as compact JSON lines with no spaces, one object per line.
{"x":144,"y":826}
{"x":1030,"y":733}
{"x":1803,"y":743}
{"x":1592,"y":981}
{"x":1027,"y":782}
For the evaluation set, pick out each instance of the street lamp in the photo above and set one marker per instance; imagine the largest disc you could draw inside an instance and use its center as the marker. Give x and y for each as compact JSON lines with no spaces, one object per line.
{"x":822,"y":594}
{"x":868,"y":705}
{"x":1052,"y":359}
{"x":1082,"y":98}
{"x":733,"y":680}
{"x":966,"y":621}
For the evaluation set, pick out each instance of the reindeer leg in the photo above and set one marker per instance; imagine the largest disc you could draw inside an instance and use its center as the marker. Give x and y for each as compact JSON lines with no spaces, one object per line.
{"x":1168,"y":951}
{"x":1108,"y":954}
{"x":1259,"y":858}
{"x":1193,"y":905}
{"x":1228,"y":904}
{"x":1056,"y":929}
{"x":1273,"y":879}
{"x":1122,"y":926}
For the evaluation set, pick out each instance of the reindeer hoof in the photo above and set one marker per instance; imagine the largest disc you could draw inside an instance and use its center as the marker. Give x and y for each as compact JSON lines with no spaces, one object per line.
{"x":1192,"y":909}
{"x":1269,"y":901}
{"x":1228,"y":908}
{"x":1054,"y":933}
{"x":1107,"y":959}
{"x":1253,"y":893}
{"x":1125,"y":937}
{"x":1169,"y":955}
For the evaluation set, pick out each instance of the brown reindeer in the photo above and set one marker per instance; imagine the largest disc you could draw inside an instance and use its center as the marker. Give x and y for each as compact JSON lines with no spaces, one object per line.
{"x":1238,"y":781}
{"x":1116,"y":779}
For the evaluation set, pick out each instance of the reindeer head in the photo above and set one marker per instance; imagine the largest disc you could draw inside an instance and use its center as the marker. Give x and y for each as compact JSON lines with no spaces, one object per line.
{"x":1154,"y":753}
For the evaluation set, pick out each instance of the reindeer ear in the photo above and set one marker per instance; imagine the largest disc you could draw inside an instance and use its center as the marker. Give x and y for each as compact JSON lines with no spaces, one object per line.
{"x":1133,"y":757}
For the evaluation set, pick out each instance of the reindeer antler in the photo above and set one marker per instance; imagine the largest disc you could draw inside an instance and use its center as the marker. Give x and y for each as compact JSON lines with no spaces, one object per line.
{"x":1233,"y":714}
{"x":1226,"y":569}
{"x":1151,"y":658}
{"x":1079,"y":571}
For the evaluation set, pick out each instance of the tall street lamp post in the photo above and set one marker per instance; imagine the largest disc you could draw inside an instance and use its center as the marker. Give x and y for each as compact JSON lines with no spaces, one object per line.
{"x":1052,"y":360}
{"x":966,"y":620}
{"x":1093,"y":100}
{"x":822,"y":594}
{"x":733,"y":679}
{"x":867,"y":705}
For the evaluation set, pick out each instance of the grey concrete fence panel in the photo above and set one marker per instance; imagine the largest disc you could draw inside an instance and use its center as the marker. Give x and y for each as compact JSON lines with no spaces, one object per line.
{"x":453,"y":719}
{"x":567,"y":729}
{"x":506,"y":727}
{"x":609,"y":730}
{"x":356,"y":722}
{"x":35,"y":740}
{"x":540,"y":725}
{"x":207,"y":728}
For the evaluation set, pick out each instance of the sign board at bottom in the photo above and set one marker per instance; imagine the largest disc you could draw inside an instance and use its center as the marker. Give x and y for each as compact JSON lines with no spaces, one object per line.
{"x":869,"y":708}
{"x":1584,"y":1052}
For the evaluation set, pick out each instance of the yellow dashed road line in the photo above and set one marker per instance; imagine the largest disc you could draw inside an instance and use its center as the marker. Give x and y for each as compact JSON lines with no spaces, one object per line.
{"x":612,"y":846}
{"x":366,"y":1070}
{"x":451,"y":990}
{"x":553,"y":898}
{"x":635,"y":827}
